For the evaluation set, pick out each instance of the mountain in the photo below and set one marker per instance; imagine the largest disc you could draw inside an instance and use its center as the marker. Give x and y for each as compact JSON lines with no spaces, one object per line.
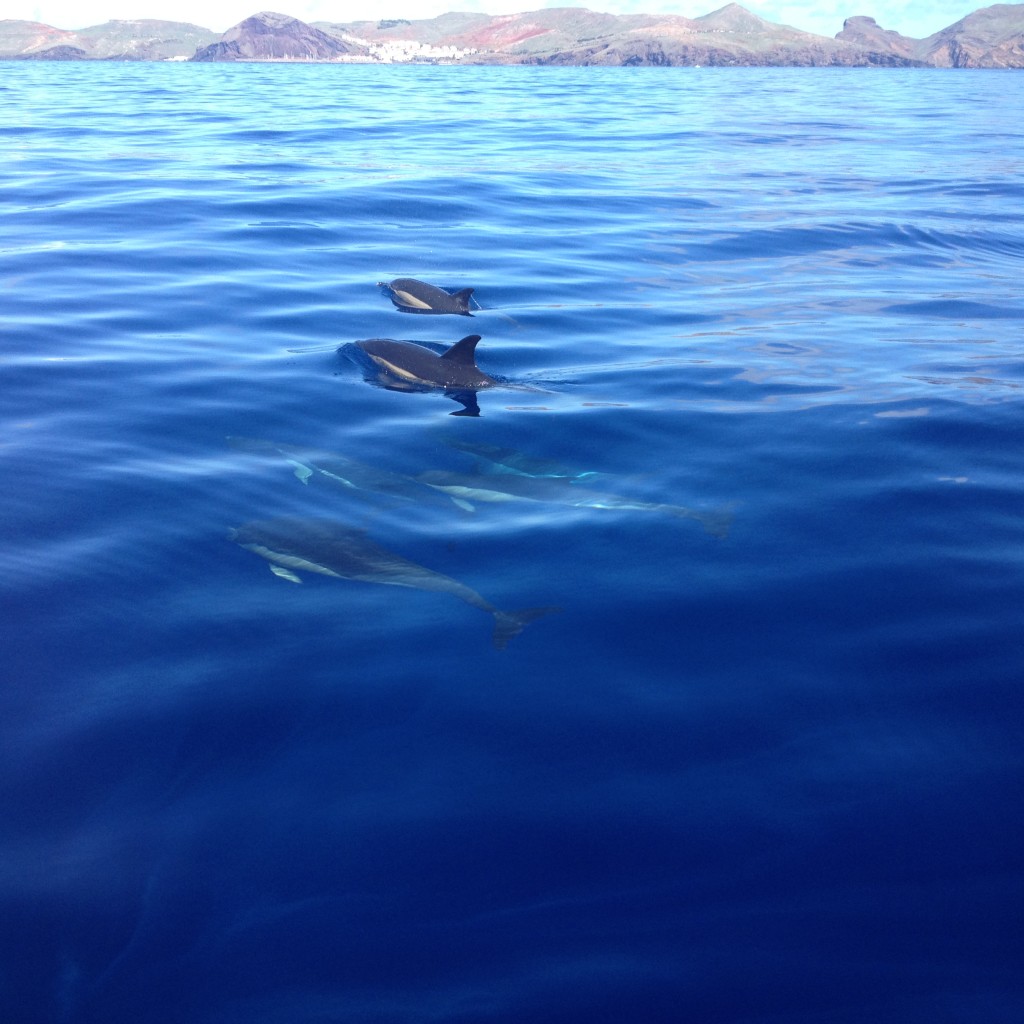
{"x":18,"y":38}
{"x":992,"y":37}
{"x":573,"y":35}
{"x":58,"y":52}
{"x":727,"y":37}
{"x":143,"y":39}
{"x":507,"y":34}
{"x":269,"y":36}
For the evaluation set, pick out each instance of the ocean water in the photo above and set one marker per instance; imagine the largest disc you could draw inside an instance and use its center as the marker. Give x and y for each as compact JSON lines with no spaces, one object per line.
{"x":763,"y":765}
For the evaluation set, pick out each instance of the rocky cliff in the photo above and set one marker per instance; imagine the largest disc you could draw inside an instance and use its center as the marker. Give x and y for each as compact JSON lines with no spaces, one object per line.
{"x":269,"y":36}
{"x":867,"y":34}
{"x":992,"y":37}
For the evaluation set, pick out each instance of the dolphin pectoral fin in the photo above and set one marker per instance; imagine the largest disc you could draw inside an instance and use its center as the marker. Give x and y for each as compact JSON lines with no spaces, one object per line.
{"x":508,"y":625}
{"x":302,"y":471}
{"x":285,"y":574}
{"x":337,"y":478}
{"x":466,"y":506}
{"x":468,"y":401}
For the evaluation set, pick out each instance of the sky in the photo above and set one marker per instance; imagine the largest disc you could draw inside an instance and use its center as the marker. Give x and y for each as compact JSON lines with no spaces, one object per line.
{"x":914,"y":18}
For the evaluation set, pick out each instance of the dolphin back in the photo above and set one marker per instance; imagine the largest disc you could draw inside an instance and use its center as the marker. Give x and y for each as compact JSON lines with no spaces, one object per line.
{"x":412,"y":296}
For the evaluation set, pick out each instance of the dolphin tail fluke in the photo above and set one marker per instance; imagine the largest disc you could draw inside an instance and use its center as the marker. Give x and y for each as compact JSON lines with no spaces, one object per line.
{"x":717,"y":523}
{"x":510,"y":624}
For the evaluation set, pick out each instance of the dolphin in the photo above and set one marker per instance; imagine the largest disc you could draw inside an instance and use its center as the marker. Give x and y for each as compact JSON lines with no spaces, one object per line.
{"x":333,"y":549}
{"x":419,"y":366}
{"x":349,"y":475}
{"x":512,"y":460}
{"x":502,"y":487}
{"x":412,"y":296}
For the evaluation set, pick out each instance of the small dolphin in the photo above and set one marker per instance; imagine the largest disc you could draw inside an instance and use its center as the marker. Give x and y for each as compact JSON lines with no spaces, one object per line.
{"x":502,"y":487}
{"x":415,"y":364}
{"x":412,"y":296}
{"x":332,"y":549}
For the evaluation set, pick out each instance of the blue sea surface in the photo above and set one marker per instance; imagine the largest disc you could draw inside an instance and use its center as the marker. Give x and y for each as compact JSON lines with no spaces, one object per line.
{"x":764,"y":765}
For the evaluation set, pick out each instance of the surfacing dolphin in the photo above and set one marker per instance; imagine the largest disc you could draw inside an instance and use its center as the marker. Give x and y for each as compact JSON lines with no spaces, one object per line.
{"x":412,"y":296}
{"x":333,"y":549}
{"x":501,"y":487}
{"x":415,"y":364}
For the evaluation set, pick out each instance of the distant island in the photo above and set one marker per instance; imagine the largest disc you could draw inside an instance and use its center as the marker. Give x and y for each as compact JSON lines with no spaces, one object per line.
{"x":991,"y":37}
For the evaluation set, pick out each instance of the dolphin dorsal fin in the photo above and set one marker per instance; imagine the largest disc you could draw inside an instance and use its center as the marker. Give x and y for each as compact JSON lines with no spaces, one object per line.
{"x":463,"y":295}
{"x":462,"y":351}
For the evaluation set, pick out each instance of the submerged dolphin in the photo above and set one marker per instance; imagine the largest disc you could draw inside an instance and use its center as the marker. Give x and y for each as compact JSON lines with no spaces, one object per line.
{"x":502,"y":487}
{"x":332,"y":549}
{"x":346,"y":474}
{"x":512,"y":460}
{"x":412,"y":296}
{"x":415,"y":364}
